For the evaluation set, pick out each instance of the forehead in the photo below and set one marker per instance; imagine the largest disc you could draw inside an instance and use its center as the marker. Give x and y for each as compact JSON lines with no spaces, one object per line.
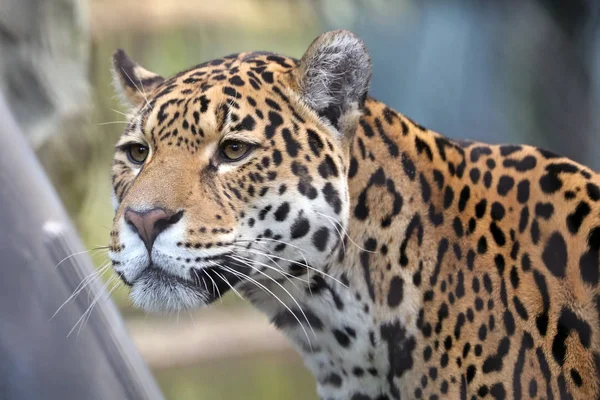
{"x":197,"y":103}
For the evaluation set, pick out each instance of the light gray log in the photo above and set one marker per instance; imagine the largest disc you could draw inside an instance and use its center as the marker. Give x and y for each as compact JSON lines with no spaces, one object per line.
{"x":37,"y":359}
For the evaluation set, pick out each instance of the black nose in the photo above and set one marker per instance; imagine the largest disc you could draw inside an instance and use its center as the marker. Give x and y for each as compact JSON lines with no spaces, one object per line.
{"x":149,"y":224}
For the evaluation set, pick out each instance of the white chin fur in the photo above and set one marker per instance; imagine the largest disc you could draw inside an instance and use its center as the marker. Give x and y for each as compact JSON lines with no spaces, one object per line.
{"x":154,"y":295}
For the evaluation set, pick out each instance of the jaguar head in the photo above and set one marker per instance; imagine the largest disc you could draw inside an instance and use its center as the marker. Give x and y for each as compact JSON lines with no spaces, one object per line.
{"x":234,"y":171}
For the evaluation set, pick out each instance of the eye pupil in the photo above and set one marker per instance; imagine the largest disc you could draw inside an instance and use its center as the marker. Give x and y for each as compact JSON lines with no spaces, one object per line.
{"x":234,"y":151}
{"x":137,"y":153}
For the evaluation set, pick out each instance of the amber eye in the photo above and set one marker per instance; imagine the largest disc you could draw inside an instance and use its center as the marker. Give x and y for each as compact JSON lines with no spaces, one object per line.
{"x":234,"y":151}
{"x":137,"y":153}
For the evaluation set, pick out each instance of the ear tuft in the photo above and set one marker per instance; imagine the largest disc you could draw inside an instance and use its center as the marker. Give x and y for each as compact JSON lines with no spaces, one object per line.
{"x":333,"y":77}
{"x":132,"y":82}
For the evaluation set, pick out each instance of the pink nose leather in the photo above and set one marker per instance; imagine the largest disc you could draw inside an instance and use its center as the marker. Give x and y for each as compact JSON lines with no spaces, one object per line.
{"x":149,"y":224}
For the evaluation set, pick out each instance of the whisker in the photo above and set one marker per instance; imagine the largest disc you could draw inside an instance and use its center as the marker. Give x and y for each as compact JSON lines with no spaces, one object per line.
{"x":119,"y":112}
{"x":264,"y":288}
{"x":82,"y":285}
{"x":253,"y":251}
{"x":76,"y":254}
{"x":113,"y":122}
{"x":85,"y":321}
{"x":287,"y":292}
{"x":280,"y":271}
{"x":335,"y":224}
{"x":259,"y":241}
{"x":214,"y":285}
{"x":93,"y":303}
{"x":228,"y":283}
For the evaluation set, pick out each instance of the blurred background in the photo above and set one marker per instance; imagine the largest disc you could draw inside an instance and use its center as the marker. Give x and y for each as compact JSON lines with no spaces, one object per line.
{"x":503,"y":71}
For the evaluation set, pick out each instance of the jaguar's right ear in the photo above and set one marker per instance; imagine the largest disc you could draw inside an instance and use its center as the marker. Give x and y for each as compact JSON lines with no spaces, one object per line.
{"x":131,"y":81}
{"x":333,"y":79}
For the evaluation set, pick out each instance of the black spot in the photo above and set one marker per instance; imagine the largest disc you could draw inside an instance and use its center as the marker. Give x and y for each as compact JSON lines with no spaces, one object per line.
{"x":320,"y":238}
{"x":332,"y":197}
{"x":327,"y":168}
{"x":593,"y":191}
{"x":508,"y":149}
{"x":535,"y":232}
{"x":391,"y":145}
{"x":545,"y":372}
{"x":542,"y":319}
{"x":263,"y":213}
{"x":487,"y":179}
{"x":589,"y":266}
{"x":471,"y":370}
{"x":229,"y":91}
{"x":567,"y":322}
{"x":544,"y":210}
{"x":477,"y":152}
{"x":236,"y":81}
{"x":509,"y":322}
{"x":267,"y":76}
{"x":525,"y":164}
{"x":458,"y":228}
{"x":555,"y":255}
{"x":275,"y":121}
{"x":277,"y":157}
{"x":300,"y":227}
{"x":415,"y":223}
{"x":422,"y":146}
{"x":396,"y":291}
{"x":341,"y":338}
{"x":523,"y":191}
{"x":497,"y":212}
{"x":494,"y":362}
{"x":576,"y":377}
{"x":353,"y":169}
{"x":480,"y":208}
{"x":520,"y":308}
{"x":409,"y":167}
{"x":441,"y":251}
{"x":289,"y":318}
{"x":465,"y":194}
{"x":482,"y":245}
{"x":475,"y":175}
{"x":333,"y":379}
{"x":425,"y":189}
{"x":532,"y":388}
{"x":575,"y":219}
{"x":291,"y":145}
{"x":482,"y":333}
{"x":370,"y":246}
{"x":497,"y":391}
{"x":314,"y":142}
{"x":400,"y":349}
{"x":550,"y":183}
{"x":497,"y":234}
{"x":505,"y":184}
{"x":448,"y":197}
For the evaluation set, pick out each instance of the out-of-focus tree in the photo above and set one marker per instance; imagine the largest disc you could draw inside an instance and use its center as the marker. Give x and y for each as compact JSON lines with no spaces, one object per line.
{"x":44,"y":77}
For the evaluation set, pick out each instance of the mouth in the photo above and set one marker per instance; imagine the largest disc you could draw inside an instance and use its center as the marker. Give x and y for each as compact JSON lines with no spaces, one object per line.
{"x":158,"y":290}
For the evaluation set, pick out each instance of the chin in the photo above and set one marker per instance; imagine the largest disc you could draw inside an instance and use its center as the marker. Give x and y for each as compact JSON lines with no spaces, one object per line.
{"x":158,"y":291}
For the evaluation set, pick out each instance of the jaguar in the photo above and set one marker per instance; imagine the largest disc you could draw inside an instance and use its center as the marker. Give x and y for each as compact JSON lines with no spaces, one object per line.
{"x":401,"y":264}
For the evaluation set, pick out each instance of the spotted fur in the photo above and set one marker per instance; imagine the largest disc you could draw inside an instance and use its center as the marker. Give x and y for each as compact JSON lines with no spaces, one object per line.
{"x":401,"y":264}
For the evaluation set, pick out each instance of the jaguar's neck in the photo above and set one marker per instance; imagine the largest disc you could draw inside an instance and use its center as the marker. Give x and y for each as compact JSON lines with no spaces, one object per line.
{"x":406,"y":198}
{"x":375,"y":286}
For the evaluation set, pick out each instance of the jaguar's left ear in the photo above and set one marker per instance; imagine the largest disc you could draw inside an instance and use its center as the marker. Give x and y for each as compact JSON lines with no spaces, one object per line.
{"x":333,"y":78}
{"x":132,"y":82}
